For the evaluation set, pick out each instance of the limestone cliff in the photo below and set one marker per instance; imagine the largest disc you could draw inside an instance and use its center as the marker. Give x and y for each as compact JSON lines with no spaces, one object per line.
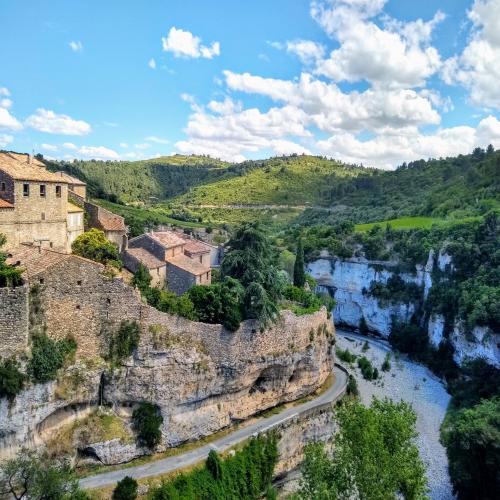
{"x":201,"y":376}
{"x":347,"y":280}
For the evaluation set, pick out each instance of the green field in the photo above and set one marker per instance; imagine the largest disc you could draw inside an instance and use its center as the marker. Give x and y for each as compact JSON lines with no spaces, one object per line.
{"x":402,"y":223}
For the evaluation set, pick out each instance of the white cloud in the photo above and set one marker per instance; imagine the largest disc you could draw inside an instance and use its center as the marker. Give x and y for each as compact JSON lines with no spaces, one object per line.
{"x":5,"y":139}
{"x":307,"y":51}
{"x":398,"y":55}
{"x":98,"y":153}
{"x":390,"y":150}
{"x":7,"y":121}
{"x":152,"y":63}
{"x":157,"y":140}
{"x":123,"y":145}
{"x":4,"y":91}
{"x":76,"y":46}
{"x":142,"y":146}
{"x":49,"y":147}
{"x":52,"y":123}
{"x":478,"y":67}
{"x":184,"y":44}
{"x":69,"y":145}
{"x":5,"y":103}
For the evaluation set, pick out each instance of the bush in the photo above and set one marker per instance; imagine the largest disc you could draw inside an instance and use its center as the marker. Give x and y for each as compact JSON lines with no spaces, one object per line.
{"x":345,"y":355}
{"x":386,"y":365}
{"x":11,"y":379}
{"x":93,"y":245}
{"x":48,"y":356}
{"x":365,"y":347}
{"x":125,"y":341}
{"x":126,"y":489}
{"x":367,"y":369}
{"x":352,"y":386}
{"x":146,"y":422}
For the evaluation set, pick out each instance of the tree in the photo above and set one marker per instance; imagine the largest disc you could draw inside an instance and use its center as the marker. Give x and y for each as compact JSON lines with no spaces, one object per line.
{"x":11,"y":379}
{"x":126,"y":340}
{"x":142,"y":278}
{"x":214,"y":465}
{"x":31,"y":476}
{"x":9,"y":275}
{"x":126,"y":489}
{"x":146,"y":421}
{"x":93,"y":245}
{"x":250,"y":260}
{"x":299,"y":275}
{"x":375,"y":457}
{"x":472,"y":443}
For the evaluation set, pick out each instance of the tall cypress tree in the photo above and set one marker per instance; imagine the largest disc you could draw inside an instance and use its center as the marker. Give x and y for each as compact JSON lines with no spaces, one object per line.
{"x":299,"y":275}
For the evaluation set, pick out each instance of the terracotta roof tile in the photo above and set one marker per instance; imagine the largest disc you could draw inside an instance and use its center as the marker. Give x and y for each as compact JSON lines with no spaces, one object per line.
{"x":35,"y":260}
{"x":147,"y":258}
{"x":190,"y":265}
{"x":70,"y":179}
{"x":5,"y":204}
{"x":167,"y":238}
{"x":17,"y":166}
{"x":110,"y":221}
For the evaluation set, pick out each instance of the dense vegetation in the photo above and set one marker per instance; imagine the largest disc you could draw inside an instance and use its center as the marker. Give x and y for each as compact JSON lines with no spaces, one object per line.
{"x":11,"y":379}
{"x":375,"y":457}
{"x":30,"y":475}
{"x":146,"y":422}
{"x":124,"y":341}
{"x":94,"y":245}
{"x":9,"y":275}
{"x":126,"y":489}
{"x":246,"y":475}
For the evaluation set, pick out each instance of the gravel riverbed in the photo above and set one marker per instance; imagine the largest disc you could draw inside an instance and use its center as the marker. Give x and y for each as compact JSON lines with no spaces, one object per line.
{"x":415,"y":384}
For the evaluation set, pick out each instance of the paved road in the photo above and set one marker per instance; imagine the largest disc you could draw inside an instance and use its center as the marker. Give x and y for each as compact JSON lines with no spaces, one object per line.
{"x":170,"y":464}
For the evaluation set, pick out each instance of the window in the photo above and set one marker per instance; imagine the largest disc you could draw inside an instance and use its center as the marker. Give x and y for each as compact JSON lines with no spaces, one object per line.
{"x":42,"y":281}
{"x":42,"y":190}
{"x":2,"y":186}
{"x":201,"y":259}
{"x":26,"y":189}
{"x":58,"y":191}
{"x":78,"y":306}
{"x":79,"y":282}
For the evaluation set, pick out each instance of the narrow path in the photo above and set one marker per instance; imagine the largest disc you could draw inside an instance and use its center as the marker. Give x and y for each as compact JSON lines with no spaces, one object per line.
{"x":415,"y":384}
{"x":173,"y":463}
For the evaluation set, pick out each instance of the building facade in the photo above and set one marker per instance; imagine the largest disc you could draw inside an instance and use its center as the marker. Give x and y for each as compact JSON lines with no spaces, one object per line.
{"x":34,"y":205}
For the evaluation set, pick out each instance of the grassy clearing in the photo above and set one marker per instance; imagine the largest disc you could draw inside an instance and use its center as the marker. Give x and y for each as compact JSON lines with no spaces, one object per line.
{"x":402,"y":223}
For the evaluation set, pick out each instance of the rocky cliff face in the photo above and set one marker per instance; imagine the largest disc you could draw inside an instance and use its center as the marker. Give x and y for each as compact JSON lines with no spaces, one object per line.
{"x":202,"y":378}
{"x":347,"y":279}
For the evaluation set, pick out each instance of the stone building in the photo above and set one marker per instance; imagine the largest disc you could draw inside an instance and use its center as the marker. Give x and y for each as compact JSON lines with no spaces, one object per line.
{"x":174,"y":260}
{"x":34,"y":204}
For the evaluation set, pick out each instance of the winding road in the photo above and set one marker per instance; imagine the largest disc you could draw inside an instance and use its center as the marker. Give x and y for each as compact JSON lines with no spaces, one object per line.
{"x":176,"y":462}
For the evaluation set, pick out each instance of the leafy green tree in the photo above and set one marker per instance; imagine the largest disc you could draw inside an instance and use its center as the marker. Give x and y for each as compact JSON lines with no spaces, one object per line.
{"x":11,"y":379}
{"x":31,"y":476}
{"x":126,"y":489}
{"x":250,"y":260}
{"x":214,"y":465}
{"x":472,"y":443}
{"x":142,"y":278}
{"x":146,"y":421}
{"x":48,"y":356}
{"x":93,"y":245}
{"x":126,"y":340}
{"x":9,"y":275}
{"x":375,"y":457}
{"x":299,"y":274}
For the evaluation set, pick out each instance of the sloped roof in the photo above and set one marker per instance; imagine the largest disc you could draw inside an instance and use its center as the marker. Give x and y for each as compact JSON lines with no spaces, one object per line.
{"x":110,"y":221}
{"x":35,"y":260}
{"x":70,"y":179}
{"x":5,"y":204}
{"x":73,"y":208}
{"x":195,"y":247}
{"x":167,"y":239}
{"x":17,"y":166}
{"x":146,"y":258}
{"x":190,"y":265}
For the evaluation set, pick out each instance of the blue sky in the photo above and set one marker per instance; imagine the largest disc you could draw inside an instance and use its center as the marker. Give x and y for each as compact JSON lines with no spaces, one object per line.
{"x":376,"y":82}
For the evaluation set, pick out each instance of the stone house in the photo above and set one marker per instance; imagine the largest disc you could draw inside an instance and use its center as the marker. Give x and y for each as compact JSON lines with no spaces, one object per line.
{"x":174,"y":261}
{"x":34,"y":204}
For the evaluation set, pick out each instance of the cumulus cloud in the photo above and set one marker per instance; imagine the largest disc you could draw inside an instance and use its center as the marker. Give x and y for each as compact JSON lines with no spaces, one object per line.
{"x":76,"y":46}
{"x":97,"y":152}
{"x":5,"y":139}
{"x":52,"y":123}
{"x":478,"y":67}
{"x":183,"y":43}
{"x":307,"y":51}
{"x":396,"y":55}
{"x":7,"y":121}
{"x":4,"y":91}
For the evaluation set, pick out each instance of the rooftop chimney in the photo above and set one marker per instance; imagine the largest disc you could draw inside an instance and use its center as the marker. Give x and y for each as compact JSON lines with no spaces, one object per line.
{"x":30,"y":159}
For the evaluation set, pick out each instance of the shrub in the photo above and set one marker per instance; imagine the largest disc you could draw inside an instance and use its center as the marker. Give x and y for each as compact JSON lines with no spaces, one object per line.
{"x":345,"y":355}
{"x":386,"y":365}
{"x":11,"y":379}
{"x":366,"y":346}
{"x":352,"y":386}
{"x":48,"y":356}
{"x":299,"y":275}
{"x":367,"y":370}
{"x":146,"y":421}
{"x":93,"y":245}
{"x":125,"y":341}
{"x":142,"y":278}
{"x":214,"y":465}
{"x":126,"y":489}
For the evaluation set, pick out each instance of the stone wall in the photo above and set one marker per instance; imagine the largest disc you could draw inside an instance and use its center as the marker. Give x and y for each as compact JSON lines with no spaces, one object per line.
{"x":179,"y":280}
{"x":14,"y":320}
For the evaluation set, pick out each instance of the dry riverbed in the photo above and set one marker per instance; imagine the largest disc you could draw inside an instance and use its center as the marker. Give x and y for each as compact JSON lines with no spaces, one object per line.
{"x":415,"y":384}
